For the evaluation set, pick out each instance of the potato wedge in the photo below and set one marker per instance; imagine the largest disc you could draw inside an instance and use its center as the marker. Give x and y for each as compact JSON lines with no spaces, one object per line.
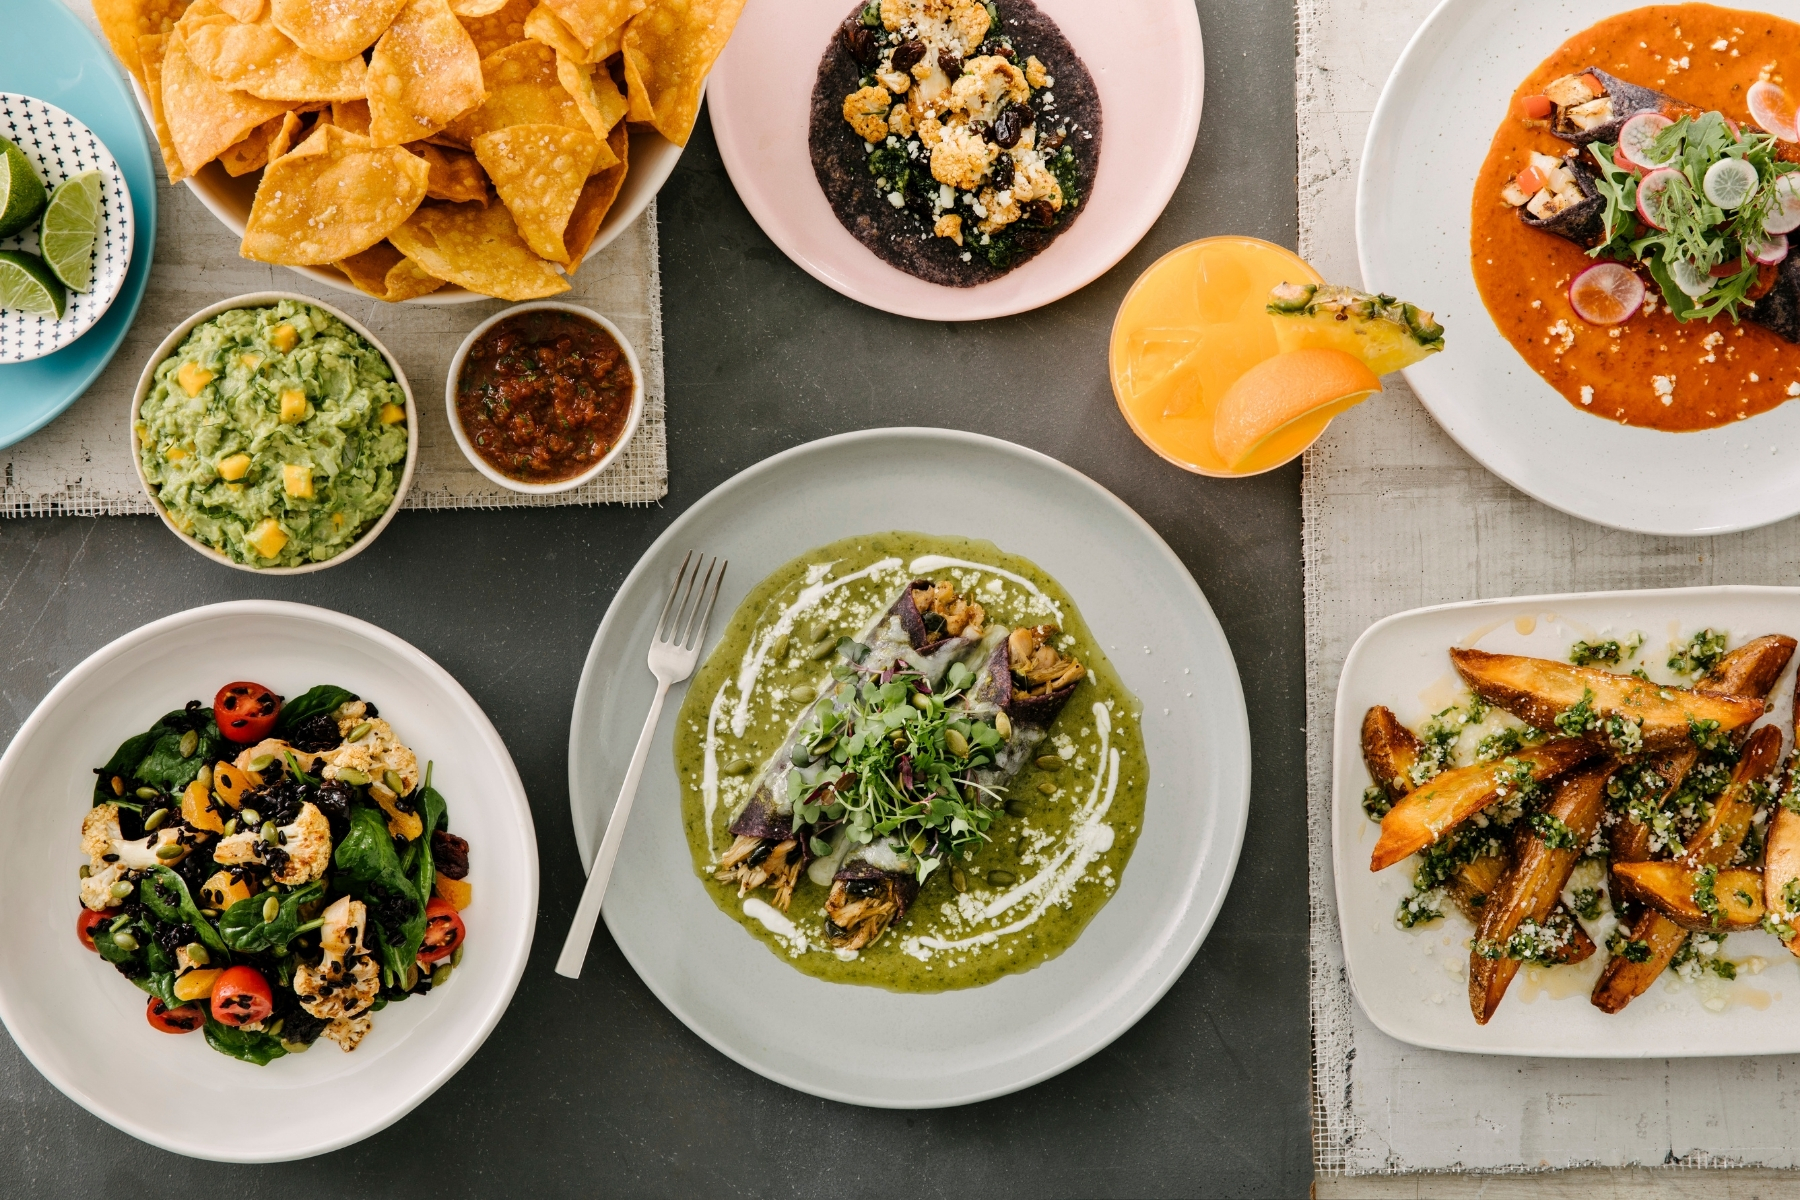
{"x":1441,"y":804}
{"x":1781,"y":872}
{"x":1628,"y":975}
{"x":1750,"y":670}
{"x":1539,"y":690}
{"x":1675,"y":891}
{"x":1390,"y":751}
{"x":1627,"y":839}
{"x":1532,"y":890}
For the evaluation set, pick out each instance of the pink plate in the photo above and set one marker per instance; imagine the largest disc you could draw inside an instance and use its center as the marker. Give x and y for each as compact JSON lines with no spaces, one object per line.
{"x":1145,"y":57}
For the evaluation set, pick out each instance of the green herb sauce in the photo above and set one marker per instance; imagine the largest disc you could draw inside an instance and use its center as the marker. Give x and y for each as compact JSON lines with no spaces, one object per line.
{"x":1043,"y":817}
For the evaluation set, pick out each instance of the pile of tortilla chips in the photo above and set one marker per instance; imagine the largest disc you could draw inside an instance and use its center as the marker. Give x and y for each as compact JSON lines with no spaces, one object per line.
{"x":414,"y":143}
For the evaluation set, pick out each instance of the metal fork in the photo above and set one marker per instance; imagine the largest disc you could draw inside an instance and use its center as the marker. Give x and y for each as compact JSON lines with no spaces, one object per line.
{"x":673,"y":651}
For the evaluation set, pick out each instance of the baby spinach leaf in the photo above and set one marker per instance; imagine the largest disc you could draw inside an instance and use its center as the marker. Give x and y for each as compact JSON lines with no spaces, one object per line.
{"x":160,"y":984}
{"x":369,"y":868}
{"x":309,"y":704}
{"x":251,"y":1046}
{"x":154,"y":756}
{"x":244,"y":929}
{"x":166,"y":894}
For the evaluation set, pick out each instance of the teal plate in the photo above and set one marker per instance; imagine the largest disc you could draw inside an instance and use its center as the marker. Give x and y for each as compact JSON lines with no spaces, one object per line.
{"x":48,"y":53}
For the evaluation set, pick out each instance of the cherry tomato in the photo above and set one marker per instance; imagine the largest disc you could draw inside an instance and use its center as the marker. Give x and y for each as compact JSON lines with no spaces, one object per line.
{"x":241,"y":996}
{"x":183,"y":1019}
{"x":443,"y":931}
{"x":246,"y":712}
{"x":88,"y":921}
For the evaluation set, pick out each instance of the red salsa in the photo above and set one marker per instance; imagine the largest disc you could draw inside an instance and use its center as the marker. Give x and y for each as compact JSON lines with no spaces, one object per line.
{"x":544,"y":395}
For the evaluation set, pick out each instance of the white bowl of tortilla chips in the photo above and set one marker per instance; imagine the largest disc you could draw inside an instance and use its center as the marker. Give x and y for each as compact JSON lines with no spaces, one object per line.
{"x":423,"y":151}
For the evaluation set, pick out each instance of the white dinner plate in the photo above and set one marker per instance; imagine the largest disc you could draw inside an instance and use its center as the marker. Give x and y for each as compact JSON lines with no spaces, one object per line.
{"x":1427,"y":141}
{"x":1148,"y":66}
{"x":1413,"y":983}
{"x":82,"y":1024}
{"x":961,"y":1046}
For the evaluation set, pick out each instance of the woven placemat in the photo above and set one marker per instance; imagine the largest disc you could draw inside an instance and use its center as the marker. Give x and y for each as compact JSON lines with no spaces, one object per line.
{"x":80,"y":464}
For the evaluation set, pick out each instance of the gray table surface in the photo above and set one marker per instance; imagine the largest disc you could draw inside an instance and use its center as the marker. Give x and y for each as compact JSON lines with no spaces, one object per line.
{"x":591,"y":1086}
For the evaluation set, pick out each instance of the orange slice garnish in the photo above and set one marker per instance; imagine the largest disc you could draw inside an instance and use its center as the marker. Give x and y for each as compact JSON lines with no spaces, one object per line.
{"x":1280,"y":391}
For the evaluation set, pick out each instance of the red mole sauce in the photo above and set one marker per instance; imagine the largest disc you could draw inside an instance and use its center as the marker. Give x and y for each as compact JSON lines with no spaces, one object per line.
{"x":1654,"y":370}
{"x":544,"y":395}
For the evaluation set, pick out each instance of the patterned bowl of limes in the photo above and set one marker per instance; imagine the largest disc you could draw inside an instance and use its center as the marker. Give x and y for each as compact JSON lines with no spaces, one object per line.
{"x":66,"y":228}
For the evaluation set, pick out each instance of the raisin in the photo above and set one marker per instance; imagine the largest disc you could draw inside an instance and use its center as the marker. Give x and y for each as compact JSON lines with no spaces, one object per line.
{"x":859,"y":42}
{"x":950,"y":64}
{"x":1041,"y":212}
{"x":909,"y":55}
{"x":1001,"y":173}
{"x":1009,"y":126}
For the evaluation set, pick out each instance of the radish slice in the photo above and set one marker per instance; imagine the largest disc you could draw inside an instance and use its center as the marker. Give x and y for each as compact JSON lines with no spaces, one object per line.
{"x":1729,"y":182}
{"x":1769,"y":250}
{"x":1649,"y":194}
{"x":1771,"y":108}
{"x":1786,"y":217}
{"x":1695,"y":280}
{"x":1606,"y":294}
{"x":1636,"y":135}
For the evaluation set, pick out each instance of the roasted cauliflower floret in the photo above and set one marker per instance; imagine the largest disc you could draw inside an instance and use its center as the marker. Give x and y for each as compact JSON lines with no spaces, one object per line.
{"x":1002,"y":210}
{"x":949,"y":226}
{"x":1032,"y":180}
{"x":348,"y":1032}
{"x":300,"y":853}
{"x":986,"y":84}
{"x":866,"y":110}
{"x":894,"y":81}
{"x":373,"y":754}
{"x":1035,"y":74}
{"x":900,"y":120}
{"x":111,"y":856}
{"x":961,"y":158}
{"x":965,"y":21}
{"x":345,"y":980}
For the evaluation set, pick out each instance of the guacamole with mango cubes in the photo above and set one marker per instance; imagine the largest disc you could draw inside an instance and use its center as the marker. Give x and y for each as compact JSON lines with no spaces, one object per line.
{"x":275,"y":435}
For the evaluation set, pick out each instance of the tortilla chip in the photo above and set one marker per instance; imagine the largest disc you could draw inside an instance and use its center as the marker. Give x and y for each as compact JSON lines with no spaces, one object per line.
{"x":150,"y":56}
{"x":252,"y":153}
{"x":597,"y":199}
{"x":681,"y":38}
{"x":332,"y":196}
{"x":261,"y":60}
{"x":247,"y":11}
{"x":542,"y":26}
{"x":539,"y":171}
{"x":286,"y":137}
{"x":424,"y":72}
{"x":125,"y":21}
{"x":598,"y":98}
{"x":592,"y":21}
{"x":351,"y":115}
{"x":476,"y":8}
{"x":455,"y":174}
{"x":204,"y":118}
{"x":637,"y":93}
{"x":522,"y":89}
{"x":498,"y":30}
{"x":478,"y":248}
{"x":336,"y":30}
{"x":386,"y":274}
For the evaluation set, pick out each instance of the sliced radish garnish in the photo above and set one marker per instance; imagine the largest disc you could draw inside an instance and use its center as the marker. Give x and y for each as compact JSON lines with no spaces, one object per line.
{"x":1772,"y":108}
{"x":1606,"y":294}
{"x":1691,"y":278}
{"x":1636,"y":135}
{"x":1729,"y":182}
{"x":1786,"y":217}
{"x":1768,"y":250}
{"x":1649,"y":193}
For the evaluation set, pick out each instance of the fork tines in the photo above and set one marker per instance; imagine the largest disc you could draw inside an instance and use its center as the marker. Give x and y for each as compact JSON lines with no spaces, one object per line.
{"x":690,"y":619}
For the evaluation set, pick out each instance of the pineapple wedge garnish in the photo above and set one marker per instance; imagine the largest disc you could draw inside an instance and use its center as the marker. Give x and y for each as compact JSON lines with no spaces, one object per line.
{"x":1383,"y":332}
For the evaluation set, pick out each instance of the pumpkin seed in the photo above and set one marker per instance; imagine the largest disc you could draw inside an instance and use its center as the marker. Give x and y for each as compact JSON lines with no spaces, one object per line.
{"x":959,"y":745}
{"x":170,"y":851}
{"x":441,"y":976}
{"x":261,"y":762}
{"x":155,"y":820}
{"x":456,"y":957}
{"x":198,"y":954}
{"x":231,"y":826}
{"x":146,"y":793}
{"x":276,"y":1028}
{"x":396,"y":784}
{"x":250,"y":816}
{"x":209,"y":913}
{"x":1017,"y":808}
{"x":205,"y":778}
{"x":190,"y":742}
{"x":272,"y":909}
{"x":737,"y":766}
{"x":999,"y":878}
{"x":1050,"y":762}
{"x":958,"y":880}
{"x":268,"y":831}
{"x":822,"y":650}
{"x":779,"y":650}
{"x":1003,"y":724}
{"x":356,"y":734}
{"x":823,"y":746}
{"x":353,"y":777}
{"x":921,"y":701}
{"x":293,"y":1047}
{"x":1046,"y":787}
{"x":804,"y":693}
{"x":86,"y":870}
{"x":124,"y":941}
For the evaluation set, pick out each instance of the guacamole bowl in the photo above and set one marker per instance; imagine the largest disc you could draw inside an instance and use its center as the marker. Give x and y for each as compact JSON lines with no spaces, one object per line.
{"x":273,"y":433}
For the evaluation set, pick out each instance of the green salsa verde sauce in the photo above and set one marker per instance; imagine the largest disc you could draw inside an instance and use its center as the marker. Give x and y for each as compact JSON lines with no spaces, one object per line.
{"x":1058,"y":828}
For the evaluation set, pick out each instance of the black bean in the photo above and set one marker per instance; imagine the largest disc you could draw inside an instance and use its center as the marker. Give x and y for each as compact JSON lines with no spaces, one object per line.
{"x":908,"y":55}
{"x":1008,"y":126}
{"x":859,"y":42}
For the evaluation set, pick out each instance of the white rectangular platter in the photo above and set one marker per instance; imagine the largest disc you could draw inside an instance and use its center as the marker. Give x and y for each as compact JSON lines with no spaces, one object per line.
{"x":1413,"y":983}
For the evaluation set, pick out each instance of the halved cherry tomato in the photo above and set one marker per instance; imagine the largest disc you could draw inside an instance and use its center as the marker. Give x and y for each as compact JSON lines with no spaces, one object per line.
{"x":241,"y":996}
{"x":183,"y":1019}
{"x":88,"y":921}
{"x":444,"y":931}
{"x":1536,"y":107}
{"x":245,"y":711}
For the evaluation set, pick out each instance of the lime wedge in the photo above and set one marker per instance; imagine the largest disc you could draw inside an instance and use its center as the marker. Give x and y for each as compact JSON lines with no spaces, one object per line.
{"x":21,"y":193}
{"x":71,"y":227}
{"x":27,"y":285}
